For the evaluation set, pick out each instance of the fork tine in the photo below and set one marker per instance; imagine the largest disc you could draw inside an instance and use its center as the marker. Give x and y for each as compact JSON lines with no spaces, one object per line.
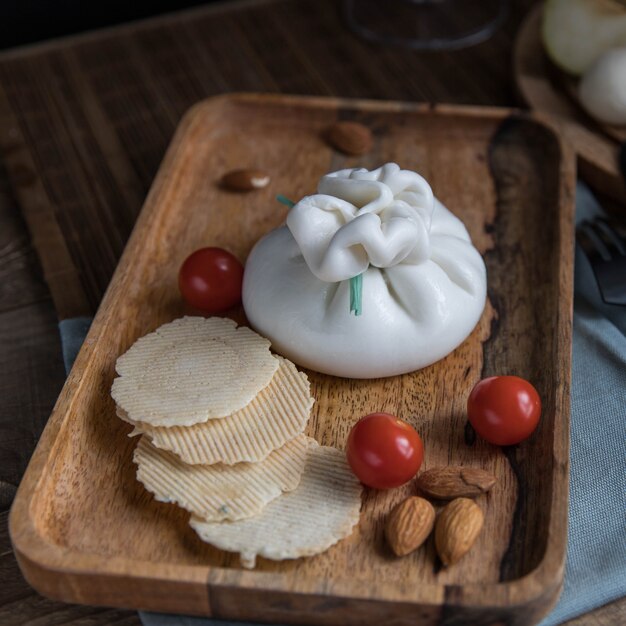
{"x":611,"y":279}
{"x":610,"y":236}
{"x":605,"y":248}
{"x":592,"y":241}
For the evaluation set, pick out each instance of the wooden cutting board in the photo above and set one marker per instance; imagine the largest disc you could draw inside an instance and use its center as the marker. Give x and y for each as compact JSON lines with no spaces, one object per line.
{"x":85,"y":530}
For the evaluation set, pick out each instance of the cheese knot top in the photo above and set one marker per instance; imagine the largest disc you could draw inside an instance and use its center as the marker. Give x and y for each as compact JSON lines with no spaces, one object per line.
{"x":360,"y":218}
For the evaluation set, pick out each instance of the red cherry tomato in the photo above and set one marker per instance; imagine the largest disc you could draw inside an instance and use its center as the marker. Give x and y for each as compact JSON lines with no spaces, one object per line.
{"x":210,"y":279}
{"x":504,"y":410}
{"x":383,"y":451}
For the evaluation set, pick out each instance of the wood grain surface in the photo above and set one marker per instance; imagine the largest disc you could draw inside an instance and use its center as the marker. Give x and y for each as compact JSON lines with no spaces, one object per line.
{"x":85,"y":530}
{"x":86,"y":114}
{"x":546,"y":89}
{"x":83,"y":126}
{"x":30,"y":346}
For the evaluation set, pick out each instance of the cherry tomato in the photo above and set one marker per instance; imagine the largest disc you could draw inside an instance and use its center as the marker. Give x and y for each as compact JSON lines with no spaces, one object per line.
{"x":504,"y":410}
{"x":383,"y":451}
{"x":210,"y":279}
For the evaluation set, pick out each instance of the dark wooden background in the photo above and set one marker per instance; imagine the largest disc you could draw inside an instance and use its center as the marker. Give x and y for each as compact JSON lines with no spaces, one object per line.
{"x":27,"y":21}
{"x":84,"y":123}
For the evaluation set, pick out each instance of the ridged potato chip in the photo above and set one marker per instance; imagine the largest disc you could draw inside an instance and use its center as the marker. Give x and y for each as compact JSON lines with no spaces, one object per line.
{"x":192,"y":370}
{"x":320,"y":512}
{"x":220,"y":492}
{"x":278,"y":413}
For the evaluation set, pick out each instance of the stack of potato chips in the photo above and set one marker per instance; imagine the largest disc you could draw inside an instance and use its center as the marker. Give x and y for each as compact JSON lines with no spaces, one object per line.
{"x":222,"y":425}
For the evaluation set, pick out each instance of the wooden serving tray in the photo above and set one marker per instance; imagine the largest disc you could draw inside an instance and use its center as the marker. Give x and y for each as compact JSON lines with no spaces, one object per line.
{"x":85,"y":530}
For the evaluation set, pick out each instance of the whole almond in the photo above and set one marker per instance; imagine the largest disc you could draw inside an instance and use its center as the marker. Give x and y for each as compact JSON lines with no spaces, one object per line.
{"x":456,"y":530}
{"x":350,"y":138}
{"x":245,"y":180}
{"x":409,"y":524}
{"x":447,"y":483}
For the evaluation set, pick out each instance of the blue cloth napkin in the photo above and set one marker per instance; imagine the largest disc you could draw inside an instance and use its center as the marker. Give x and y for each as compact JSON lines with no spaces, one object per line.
{"x":596,"y":554}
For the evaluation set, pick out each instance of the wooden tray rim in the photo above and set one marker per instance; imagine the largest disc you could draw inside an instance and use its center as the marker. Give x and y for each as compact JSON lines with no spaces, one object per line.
{"x":36,"y":555}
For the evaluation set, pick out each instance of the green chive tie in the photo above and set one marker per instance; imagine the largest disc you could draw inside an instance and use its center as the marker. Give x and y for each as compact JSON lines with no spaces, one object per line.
{"x":284,"y":200}
{"x":356,"y":294}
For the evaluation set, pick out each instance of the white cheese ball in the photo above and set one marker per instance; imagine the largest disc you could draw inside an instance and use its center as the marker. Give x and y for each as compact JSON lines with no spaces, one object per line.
{"x":423,"y":283}
{"x":602,"y":90}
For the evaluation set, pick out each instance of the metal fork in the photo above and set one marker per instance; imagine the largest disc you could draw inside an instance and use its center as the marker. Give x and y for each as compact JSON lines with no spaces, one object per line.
{"x":604,"y":242}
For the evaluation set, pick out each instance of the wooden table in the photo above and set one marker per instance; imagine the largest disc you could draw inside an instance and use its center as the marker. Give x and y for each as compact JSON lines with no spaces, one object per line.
{"x":84,"y":123}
